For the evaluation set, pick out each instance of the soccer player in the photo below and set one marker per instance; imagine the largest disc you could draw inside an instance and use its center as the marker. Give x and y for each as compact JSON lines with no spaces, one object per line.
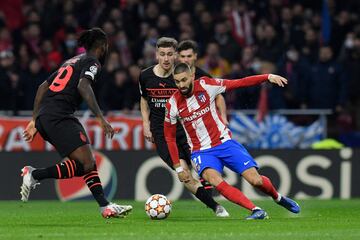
{"x":187,"y":53}
{"x":210,"y":140}
{"x":56,"y":100}
{"x":156,"y":87}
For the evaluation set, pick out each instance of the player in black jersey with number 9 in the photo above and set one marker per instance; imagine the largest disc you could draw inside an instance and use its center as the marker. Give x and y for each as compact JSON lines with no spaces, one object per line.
{"x":56,"y":100}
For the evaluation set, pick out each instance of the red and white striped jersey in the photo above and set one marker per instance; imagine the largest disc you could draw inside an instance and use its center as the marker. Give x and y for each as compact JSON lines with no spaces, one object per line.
{"x":198,"y":113}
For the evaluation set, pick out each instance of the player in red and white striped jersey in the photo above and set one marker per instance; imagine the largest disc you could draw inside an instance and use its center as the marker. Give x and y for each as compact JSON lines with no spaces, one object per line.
{"x":210,"y":140}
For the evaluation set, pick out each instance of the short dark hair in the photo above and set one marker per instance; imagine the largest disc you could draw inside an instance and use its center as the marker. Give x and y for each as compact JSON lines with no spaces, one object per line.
{"x":188,"y":44}
{"x":180,"y":68}
{"x":92,"y":38}
{"x":166,"y":42}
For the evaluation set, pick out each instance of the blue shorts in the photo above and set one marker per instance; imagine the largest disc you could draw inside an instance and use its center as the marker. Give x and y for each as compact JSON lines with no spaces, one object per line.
{"x":231,"y":154}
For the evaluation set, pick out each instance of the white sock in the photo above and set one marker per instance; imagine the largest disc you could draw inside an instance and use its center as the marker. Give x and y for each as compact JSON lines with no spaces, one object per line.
{"x":278,"y":198}
{"x":255,"y":208}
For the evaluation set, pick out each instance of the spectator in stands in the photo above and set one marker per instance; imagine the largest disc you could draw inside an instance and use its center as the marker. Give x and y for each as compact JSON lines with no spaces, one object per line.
{"x":310,"y":50}
{"x":133,"y":87}
{"x":114,"y":93}
{"x":296,"y":69}
{"x":269,"y":46}
{"x":230,"y":50}
{"x":30,"y":81}
{"x":213,"y":63}
{"x":327,"y":85}
{"x":11,"y":94}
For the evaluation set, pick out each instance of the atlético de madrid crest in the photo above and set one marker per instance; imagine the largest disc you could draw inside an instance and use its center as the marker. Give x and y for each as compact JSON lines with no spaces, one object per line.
{"x":201,"y":97}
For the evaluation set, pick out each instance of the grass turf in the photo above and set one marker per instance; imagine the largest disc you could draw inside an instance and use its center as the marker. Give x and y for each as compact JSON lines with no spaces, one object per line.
{"x":319,"y":219}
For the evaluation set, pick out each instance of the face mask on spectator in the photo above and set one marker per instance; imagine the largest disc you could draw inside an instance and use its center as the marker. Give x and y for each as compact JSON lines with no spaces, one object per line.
{"x":349,"y":43}
{"x":71,"y":43}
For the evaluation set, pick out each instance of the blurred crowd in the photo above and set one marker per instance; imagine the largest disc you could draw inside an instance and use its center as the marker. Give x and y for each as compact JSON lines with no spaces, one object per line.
{"x":315,"y":44}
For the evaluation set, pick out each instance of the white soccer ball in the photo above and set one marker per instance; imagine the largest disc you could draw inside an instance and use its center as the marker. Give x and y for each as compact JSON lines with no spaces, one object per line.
{"x":157,"y":207}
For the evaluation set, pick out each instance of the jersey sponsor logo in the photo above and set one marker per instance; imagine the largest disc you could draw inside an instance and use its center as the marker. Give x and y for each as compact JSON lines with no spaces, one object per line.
{"x":196,"y":114}
{"x":76,"y":188}
{"x":160,"y":92}
{"x":201,"y":97}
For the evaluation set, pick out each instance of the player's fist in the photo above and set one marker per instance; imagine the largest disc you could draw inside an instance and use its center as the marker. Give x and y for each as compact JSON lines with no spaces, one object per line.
{"x":147,"y":133}
{"x":30,"y":131}
{"x":276,"y":79}
{"x":184,"y":176}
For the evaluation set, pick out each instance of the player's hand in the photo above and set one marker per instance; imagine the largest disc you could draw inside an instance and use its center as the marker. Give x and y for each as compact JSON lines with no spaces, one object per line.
{"x":30,"y":131}
{"x":276,"y":79}
{"x":184,"y":176}
{"x":147,"y":133}
{"x":107,"y":128}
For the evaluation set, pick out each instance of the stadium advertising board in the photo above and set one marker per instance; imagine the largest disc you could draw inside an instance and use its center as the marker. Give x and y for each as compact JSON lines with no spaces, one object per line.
{"x":130,"y":136}
{"x":138,"y":174}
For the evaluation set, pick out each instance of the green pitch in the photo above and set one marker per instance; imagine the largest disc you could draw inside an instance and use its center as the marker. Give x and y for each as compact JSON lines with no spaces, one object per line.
{"x":319,"y":219}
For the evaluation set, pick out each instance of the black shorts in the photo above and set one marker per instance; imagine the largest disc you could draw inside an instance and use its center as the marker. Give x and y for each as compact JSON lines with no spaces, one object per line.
{"x":163,"y":151}
{"x":65,"y":134}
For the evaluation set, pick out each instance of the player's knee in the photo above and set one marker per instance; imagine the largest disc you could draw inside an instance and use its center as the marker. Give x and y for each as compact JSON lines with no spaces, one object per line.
{"x":88,"y":166}
{"x":256,"y":182}
{"x":213,"y":179}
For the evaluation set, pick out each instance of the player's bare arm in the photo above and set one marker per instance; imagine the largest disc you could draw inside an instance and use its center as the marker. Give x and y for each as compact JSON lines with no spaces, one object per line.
{"x":88,"y":95}
{"x":220,"y":104}
{"x":145,"y":114}
{"x":30,"y":130}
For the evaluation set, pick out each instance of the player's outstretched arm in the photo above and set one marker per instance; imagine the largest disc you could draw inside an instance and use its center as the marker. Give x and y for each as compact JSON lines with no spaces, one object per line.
{"x":254,"y":80}
{"x":30,"y":130}
{"x":145,"y":114}
{"x":88,"y":95}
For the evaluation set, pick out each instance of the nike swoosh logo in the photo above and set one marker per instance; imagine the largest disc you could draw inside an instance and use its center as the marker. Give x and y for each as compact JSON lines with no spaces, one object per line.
{"x":246,"y":163}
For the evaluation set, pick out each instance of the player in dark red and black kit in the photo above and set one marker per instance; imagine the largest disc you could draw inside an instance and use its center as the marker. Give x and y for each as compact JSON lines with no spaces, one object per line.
{"x":156,"y":87}
{"x":56,"y":100}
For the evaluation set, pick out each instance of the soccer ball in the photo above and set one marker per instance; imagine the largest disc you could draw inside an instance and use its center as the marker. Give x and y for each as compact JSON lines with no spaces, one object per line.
{"x":158,"y":207}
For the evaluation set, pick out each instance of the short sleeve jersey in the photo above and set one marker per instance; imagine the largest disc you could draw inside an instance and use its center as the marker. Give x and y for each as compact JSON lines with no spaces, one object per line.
{"x":63,"y":97}
{"x":156,"y":90}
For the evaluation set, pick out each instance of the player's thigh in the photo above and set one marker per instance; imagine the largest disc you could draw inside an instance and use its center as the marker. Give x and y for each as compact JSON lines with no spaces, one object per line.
{"x":237,"y":158}
{"x":65,"y":134}
{"x":202,"y":161}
